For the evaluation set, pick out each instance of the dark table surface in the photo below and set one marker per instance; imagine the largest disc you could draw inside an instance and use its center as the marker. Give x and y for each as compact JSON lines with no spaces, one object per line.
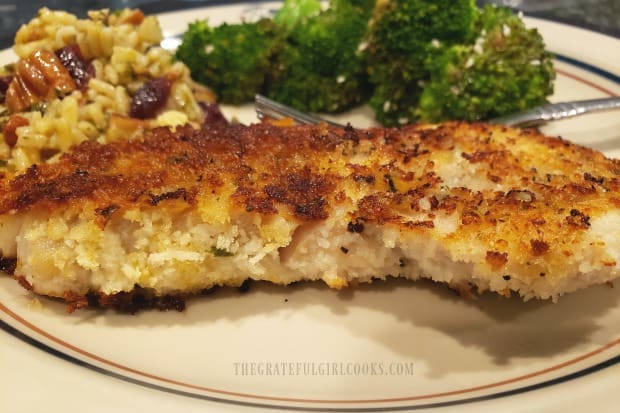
{"x":598,"y":15}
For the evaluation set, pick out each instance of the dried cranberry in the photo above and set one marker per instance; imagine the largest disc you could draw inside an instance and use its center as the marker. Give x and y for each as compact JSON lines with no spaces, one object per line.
{"x":5,"y":81}
{"x":213,"y":114}
{"x":79,"y":68}
{"x":150,"y":98}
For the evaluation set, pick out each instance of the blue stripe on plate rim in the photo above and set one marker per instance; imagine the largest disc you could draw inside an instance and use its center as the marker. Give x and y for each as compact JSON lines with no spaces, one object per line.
{"x":588,"y":67}
{"x":519,"y":390}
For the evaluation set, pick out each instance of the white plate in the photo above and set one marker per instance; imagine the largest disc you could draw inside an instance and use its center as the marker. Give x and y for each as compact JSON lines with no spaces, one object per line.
{"x":392,"y":345}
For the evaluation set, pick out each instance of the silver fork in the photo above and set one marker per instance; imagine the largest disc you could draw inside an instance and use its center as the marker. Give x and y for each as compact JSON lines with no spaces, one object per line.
{"x":266,"y":107}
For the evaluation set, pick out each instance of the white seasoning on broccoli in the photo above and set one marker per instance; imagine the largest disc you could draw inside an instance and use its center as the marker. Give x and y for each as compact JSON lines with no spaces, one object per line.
{"x":209,"y":48}
{"x":341,"y":79}
{"x":387,"y":105}
{"x":478,"y":46}
{"x":469,"y":63}
{"x":505,"y":30}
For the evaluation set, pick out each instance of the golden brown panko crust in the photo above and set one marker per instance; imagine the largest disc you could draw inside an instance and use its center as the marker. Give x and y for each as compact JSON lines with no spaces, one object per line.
{"x":530,"y":198}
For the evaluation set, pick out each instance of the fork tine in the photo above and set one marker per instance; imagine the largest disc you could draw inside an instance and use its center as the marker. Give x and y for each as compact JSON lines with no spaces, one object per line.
{"x":276,"y":110}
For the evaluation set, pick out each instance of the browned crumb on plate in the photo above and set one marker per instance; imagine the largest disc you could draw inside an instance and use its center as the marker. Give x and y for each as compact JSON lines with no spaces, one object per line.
{"x":7,"y":265}
{"x":125,"y":302}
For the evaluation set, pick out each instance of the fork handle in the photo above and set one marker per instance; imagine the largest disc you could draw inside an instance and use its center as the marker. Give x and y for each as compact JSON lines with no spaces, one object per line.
{"x":556,"y":111}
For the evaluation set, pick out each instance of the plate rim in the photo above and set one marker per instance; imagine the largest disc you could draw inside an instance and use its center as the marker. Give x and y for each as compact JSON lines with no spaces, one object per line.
{"x":588,"y":370}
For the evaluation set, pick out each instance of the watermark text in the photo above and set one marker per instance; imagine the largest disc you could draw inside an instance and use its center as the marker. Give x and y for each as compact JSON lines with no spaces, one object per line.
{"x":322,"y":368}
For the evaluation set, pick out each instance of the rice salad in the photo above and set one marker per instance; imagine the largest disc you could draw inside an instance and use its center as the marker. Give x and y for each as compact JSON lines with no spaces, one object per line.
{"x":101,"y":78}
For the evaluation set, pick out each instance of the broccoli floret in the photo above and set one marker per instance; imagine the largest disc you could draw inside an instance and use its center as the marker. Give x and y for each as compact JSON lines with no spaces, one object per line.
{"x":505,"y":70}
{"x":320,"y":68}
{"x":399,"y":40}
{"x":365,"y":7}
{"x":233,"y":59}
{"x":296,"y":12}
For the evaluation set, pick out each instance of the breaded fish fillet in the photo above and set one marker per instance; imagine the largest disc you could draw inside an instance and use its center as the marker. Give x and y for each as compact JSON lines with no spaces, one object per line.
{"x":470,"y":205}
